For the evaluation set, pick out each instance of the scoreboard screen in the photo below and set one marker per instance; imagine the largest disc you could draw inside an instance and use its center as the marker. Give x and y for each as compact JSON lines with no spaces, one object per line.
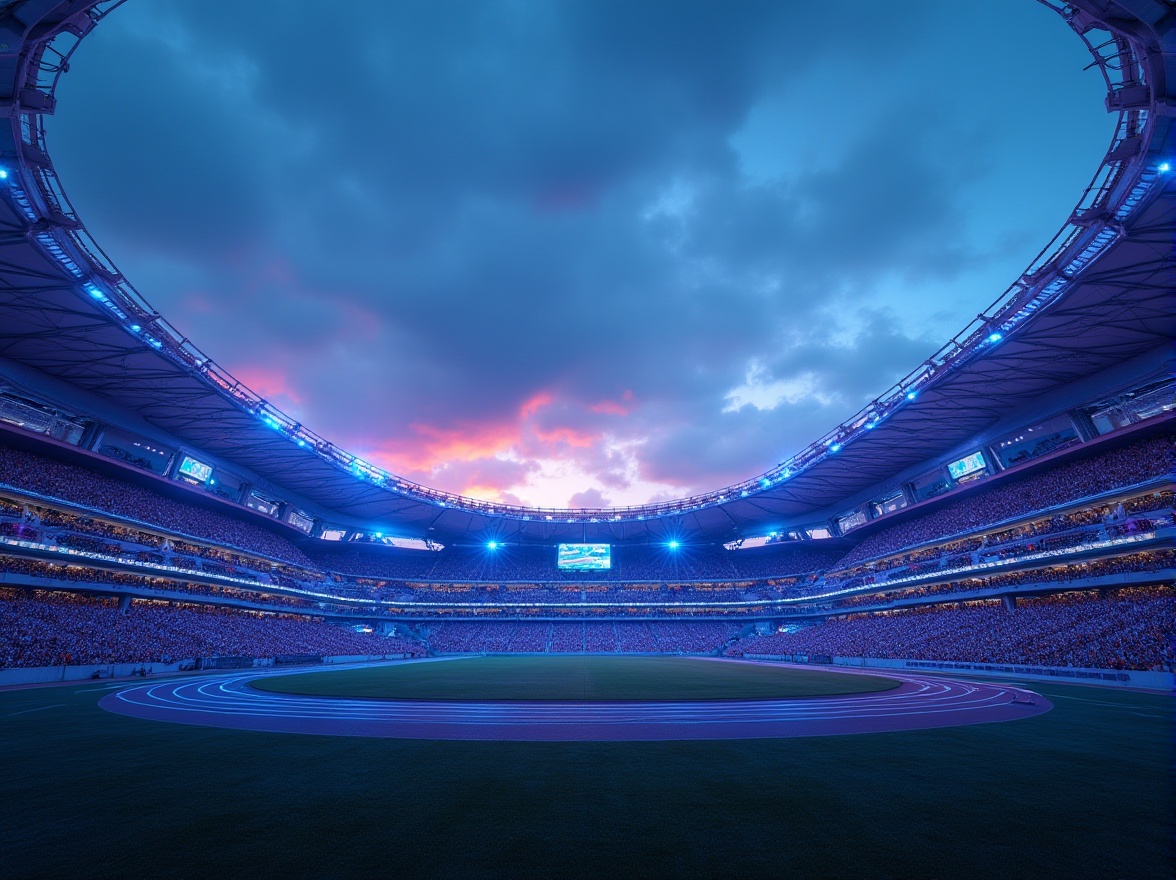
{"x":585,"y":557}
{"x":963,"y":467}
{"x":196,"y":470}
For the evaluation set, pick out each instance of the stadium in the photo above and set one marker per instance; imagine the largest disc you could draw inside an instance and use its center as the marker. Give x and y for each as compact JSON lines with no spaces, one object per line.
{"x":939,"y":640}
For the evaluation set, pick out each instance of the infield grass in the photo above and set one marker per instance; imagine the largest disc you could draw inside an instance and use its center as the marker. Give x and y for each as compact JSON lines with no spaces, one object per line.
{"x":580,"y":678}
{"x":1083,"y":791}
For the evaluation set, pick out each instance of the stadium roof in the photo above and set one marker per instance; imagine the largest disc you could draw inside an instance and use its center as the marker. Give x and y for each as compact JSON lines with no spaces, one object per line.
{"x":1100,"y":293}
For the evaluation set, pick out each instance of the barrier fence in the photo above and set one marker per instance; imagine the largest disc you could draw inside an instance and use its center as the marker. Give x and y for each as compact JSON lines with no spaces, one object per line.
{"x":1151,"y":680}
{"x":53,"y":674}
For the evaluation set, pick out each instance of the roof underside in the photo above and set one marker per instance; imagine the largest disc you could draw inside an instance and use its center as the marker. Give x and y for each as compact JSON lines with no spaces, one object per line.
{"x":1120,"y":307}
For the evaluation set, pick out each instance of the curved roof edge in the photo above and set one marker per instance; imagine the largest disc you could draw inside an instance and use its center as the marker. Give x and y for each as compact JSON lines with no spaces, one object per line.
{"x":1134,"y":62}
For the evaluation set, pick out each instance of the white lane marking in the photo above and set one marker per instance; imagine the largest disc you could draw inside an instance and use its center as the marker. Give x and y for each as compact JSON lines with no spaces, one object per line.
{"x":1097,"y":702}
{"x":232,"y":697}
{"x":38,"y":709}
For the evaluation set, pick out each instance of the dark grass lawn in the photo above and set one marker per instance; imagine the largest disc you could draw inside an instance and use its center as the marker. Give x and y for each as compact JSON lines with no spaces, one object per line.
{"x":1082,"y":791}
{"x":585,"y":678}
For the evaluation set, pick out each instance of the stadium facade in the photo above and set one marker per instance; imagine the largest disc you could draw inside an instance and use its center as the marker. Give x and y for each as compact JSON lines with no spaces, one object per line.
{"x":1069,"y":371}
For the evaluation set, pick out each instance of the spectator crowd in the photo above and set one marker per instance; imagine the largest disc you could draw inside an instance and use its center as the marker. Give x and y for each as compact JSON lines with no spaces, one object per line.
{"x":50,"y":629}
{"x":1131,"y":629}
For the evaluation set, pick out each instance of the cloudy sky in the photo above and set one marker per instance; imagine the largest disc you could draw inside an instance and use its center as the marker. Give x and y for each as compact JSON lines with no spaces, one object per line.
{"x":575,"y":253}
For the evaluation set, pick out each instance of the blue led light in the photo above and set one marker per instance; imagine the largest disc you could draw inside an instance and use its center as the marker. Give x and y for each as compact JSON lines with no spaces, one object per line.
{"x":1163,"y":168}
{"x":836,"y":447}
{"x":910,"y":395}
{"x":4,"y":174}
{"x":136,"y":327}
{"x":995,"y":337}
{"x":673,"y":545}
{"x":765,"y":482}
{"x":492,"y":545}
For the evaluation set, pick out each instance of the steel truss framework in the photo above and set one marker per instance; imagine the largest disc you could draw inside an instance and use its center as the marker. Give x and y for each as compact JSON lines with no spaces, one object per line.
{"x":1100,"y":293}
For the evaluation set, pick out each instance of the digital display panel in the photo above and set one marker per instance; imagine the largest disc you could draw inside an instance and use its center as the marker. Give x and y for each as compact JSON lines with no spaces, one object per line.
{"x":585,"y":557}
{"x":963,"y":467}
{"x":852,"y":520}
{"x":196,"y":470}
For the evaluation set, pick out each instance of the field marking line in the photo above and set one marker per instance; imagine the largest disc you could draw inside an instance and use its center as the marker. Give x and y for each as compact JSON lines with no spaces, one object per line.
{"x":1098,"y":702}
{"x":38,"y":709}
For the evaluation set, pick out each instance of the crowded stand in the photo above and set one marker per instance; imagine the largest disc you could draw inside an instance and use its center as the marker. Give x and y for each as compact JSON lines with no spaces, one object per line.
{"x":47,"y":629}
{"x":22,"y":569}
{"x":517,"y":563}
{"x":341,"y":569}
{"x":219,"y":558}
{"x":1130,"y":629}
{"x":30,"y":472}
{"x":1130,"y":465}
{"x":595,"y":637}
{"x":1055,"y":531}
{"x":1147,"y":562}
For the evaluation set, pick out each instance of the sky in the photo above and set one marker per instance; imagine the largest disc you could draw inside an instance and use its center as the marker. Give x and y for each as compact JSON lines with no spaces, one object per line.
{"x":584,"y":253}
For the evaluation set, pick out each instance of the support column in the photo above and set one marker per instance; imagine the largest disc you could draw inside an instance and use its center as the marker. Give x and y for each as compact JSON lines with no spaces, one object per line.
{"x":124,"y":604}
{"x":1009,"y":603}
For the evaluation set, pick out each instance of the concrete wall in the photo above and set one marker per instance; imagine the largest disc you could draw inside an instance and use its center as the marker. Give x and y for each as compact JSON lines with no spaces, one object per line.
{"x":52,"y":674}
{"x":1160,"y":681}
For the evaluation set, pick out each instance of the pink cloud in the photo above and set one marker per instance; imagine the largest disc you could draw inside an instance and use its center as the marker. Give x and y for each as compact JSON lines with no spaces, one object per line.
{"x":613,"y":407}
{"x":268,"y":381}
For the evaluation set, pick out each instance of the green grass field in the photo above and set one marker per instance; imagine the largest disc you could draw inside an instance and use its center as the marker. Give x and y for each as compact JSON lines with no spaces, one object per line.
{"x":1082,"y":791}
{"x":584,"y":678}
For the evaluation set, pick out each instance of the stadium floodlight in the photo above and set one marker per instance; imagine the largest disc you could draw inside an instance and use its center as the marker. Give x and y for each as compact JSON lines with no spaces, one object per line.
{"x":836,"y":447}
{"x":995,"y":337}
{"x":492,"y":545}
{"x":766,"y":482}
{"x":911,"y":395}
{"x":136,"y":327}
{"x":3,"y":174}
{"x":1164,"y":168}
{"x":673,"y":545}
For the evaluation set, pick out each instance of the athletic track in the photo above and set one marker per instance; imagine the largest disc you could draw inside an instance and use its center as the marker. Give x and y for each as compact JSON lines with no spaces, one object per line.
{"x":920,"y":702}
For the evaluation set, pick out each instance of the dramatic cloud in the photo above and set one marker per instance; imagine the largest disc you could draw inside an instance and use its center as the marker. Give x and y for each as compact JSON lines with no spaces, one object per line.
{"x":584,"y":253}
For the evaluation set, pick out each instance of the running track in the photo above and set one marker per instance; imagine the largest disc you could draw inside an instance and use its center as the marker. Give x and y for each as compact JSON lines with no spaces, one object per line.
{"x":920,"y":702}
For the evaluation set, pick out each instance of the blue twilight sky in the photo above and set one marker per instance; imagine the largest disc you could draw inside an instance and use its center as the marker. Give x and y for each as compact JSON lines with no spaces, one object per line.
{"x":575,"y":253}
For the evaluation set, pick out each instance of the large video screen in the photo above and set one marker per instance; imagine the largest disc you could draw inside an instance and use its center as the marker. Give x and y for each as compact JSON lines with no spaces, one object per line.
{"x":585,"y":557}
{"x":963,"y":467}
{"x":196,"y":470}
